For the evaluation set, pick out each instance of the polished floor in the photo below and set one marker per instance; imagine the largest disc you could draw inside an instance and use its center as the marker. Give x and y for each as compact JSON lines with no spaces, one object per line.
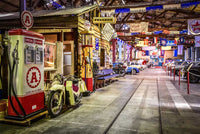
{"x":150,"y":102}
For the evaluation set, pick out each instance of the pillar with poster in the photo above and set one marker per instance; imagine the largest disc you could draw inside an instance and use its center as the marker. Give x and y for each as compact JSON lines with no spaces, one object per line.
{"x":26,"y":74}
{"x":87,"y":60}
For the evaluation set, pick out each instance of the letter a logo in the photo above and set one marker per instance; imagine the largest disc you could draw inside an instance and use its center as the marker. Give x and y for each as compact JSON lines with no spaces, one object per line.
{"x":34,"y":77}
{"x":27,"y":20}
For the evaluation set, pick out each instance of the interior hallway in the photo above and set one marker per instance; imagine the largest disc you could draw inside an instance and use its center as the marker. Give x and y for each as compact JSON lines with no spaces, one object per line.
{"x":158,"y":106}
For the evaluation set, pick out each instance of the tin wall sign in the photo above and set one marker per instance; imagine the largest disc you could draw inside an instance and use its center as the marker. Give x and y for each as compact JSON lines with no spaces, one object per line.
{"x":87,"y":25}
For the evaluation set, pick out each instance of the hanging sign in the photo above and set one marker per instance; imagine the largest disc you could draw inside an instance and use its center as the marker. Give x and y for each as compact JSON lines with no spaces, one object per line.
{"x":27,"y":19}
{"x":103,"y":20}
{"x":107,"y":31}
{"x":197,"y":41}
{"x":139,"y":27}
{"x":194,"y":27}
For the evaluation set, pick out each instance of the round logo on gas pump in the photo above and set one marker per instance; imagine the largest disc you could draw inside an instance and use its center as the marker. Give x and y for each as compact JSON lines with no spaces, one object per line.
{"x":33,"y":77}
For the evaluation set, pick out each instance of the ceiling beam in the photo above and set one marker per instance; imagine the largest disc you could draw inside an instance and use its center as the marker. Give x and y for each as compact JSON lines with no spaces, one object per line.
{"x":142,"y":4}
{"x":11,"y":4}
{"x":106,"y":3}
{"x":160,"y":14}
{"x":125,"y":18}
{"x":110,"y":4}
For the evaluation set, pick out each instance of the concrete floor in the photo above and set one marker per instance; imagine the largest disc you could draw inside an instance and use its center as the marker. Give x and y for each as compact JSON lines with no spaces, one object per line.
{"x":158,"y":106}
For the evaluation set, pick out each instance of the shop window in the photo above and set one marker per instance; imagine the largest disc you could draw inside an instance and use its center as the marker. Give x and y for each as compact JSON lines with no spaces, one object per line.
{"x":49,"y":55}
{"x":102,"y":57}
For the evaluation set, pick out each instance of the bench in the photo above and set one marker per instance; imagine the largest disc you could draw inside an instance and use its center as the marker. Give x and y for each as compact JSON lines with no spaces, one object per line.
{"x":105,"y":76}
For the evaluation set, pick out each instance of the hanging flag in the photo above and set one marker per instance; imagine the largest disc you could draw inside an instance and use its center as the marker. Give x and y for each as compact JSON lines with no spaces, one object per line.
{"x":145,"y":41}
{"x":180,"y":49}
{"x":163,"y":42}
{"x":175,"y":53}
{"x":197,"y":41}
{"x":147,"y":53}
{"x":182,"y":40}
{"x":143,"y":53}
{"x":162,"y":53}
{"x":155,"y":40}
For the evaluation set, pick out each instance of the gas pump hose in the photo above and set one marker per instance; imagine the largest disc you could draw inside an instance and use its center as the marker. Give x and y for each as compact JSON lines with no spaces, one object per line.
{"x":11,"y":85}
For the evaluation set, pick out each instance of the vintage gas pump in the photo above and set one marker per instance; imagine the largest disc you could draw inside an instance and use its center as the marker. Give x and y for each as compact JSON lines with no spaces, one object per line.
{"x":26,"y":74}
{"x":87,"y":60}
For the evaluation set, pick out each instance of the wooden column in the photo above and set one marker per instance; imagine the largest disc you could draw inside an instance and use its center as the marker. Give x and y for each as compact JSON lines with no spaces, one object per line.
{"x":76,"y":65}
{"x":114,"y":41}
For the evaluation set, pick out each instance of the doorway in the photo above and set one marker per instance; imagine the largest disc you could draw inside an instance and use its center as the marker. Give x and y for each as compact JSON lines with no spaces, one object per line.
{"x":68,"y":58}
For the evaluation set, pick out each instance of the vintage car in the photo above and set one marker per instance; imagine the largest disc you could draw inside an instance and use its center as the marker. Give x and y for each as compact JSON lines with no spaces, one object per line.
{"x":180,"y":65}
{"x":128,"y":69}
{"x":194,"y":72}
{"x":137,"y":65}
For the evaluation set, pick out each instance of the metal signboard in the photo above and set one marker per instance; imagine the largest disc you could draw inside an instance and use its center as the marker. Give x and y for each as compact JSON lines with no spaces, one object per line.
{"x":27,"y":19}
{"x":108,"y":31}
{"x":103,"y":20}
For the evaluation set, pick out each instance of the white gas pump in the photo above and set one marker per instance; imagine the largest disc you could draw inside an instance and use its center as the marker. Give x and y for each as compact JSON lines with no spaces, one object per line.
{"x":26,"y":73}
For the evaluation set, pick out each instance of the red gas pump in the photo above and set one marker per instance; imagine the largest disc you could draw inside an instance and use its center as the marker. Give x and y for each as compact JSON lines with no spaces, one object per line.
{"x":26,"y":74}
{"x":87,"y":60}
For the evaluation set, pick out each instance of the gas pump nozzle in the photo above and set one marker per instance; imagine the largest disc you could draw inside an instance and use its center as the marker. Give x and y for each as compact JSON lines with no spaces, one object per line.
{"x":15,"y":53}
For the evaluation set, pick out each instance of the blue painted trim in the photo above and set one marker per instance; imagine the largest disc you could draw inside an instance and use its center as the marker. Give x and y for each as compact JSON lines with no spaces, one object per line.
{"x":122,"y":10}
{"x":160,"y":7}
{"x":186,"y":5}
{"x":135,"y":33}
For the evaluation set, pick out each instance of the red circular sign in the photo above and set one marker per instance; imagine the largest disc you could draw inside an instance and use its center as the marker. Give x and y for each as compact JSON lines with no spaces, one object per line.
{"x":33,"y":77}
{"x":27,"y":19}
